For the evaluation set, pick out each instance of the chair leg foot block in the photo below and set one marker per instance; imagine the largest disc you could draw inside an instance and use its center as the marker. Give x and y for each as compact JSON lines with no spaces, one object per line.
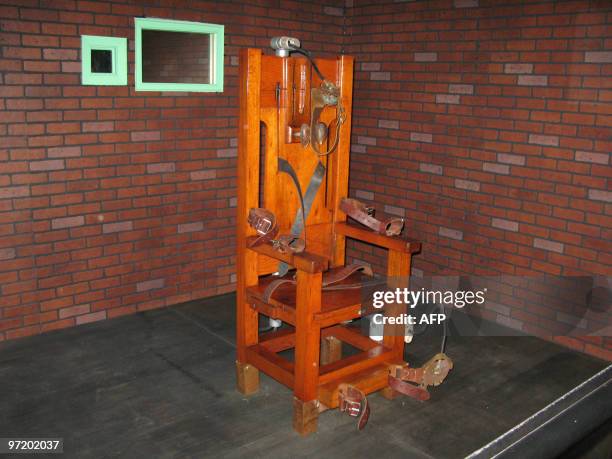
{"x":305,"y":416}
{"x":247,"y":377}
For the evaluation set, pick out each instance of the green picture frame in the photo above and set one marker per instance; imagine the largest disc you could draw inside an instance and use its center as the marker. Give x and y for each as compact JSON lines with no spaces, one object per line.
{"x":117,"y":47}
{"x":216,"y":54}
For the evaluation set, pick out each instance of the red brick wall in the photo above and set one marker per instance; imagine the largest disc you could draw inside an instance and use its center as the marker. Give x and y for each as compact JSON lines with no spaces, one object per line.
{"x":487,"y":125}
{"x":113,"y":201}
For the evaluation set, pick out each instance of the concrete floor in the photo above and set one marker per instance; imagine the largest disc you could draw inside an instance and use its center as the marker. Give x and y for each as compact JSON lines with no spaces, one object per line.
{"x":161,"y":384}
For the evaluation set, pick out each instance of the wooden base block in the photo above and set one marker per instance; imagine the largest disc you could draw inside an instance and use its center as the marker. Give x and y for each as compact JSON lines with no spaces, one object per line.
{"x":305,"y":416}
{"x":247,"y":378}
{"x":331,"y":350}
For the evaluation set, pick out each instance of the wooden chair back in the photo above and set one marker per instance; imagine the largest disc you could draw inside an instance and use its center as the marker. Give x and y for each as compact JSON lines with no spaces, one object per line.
{"x":275,"y":95}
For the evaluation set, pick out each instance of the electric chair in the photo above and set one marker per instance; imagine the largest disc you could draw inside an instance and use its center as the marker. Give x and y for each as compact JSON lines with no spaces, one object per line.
{"x":293,"y":163}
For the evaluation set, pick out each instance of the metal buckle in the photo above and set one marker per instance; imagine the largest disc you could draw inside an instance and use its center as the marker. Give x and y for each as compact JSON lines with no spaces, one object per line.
{"x":263,"y":225}
{"x":352,"y":408}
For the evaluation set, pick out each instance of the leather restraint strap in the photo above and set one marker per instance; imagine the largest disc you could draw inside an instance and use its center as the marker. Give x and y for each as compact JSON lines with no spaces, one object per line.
{"x":354,"y":402}
{"x":306,"y":201}
{"x":289,"y":243}
{"x":363,"y":214}
{"x":408,"y":389}
{"x":264,"y":223}
{"x":328,"y":282}
{"x":337,"y":275}
{"x":431,"y":374}
{"x":284,"y":166}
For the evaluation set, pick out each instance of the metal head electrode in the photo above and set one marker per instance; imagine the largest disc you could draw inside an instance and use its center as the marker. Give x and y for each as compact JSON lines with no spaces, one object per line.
{"x":284,"y":45}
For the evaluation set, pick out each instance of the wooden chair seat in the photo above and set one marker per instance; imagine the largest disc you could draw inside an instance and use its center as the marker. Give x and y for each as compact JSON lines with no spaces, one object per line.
{"x":337,"y":305}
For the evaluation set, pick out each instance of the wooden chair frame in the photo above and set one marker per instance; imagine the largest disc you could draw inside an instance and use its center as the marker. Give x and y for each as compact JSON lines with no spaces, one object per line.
{"x":315,"y":316}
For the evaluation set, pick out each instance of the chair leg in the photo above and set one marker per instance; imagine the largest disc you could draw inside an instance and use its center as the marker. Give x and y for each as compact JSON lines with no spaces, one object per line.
{"x":305,"y":416}
{"x":331,"y":350}
{"x":247,"y":377}
{"x":307,"y":348}
{"x":247,"y":323}
{"x":398,"y":268}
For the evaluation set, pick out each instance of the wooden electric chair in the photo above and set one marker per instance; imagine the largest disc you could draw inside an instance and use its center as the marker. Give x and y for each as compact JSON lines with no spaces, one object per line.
{"x":278,"y":108}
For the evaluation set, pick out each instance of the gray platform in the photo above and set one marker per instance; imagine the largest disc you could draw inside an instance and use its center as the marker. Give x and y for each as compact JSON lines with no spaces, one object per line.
{"x":161,"y":384}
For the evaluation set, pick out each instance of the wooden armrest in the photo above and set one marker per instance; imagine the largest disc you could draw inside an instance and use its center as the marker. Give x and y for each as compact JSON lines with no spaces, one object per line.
{"x":366,"y":235}
{"x":305,"y":261}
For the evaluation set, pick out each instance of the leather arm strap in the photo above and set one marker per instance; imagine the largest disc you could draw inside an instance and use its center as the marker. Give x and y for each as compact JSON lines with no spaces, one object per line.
{"x":358,"y":211}
{"x":288,"y":243}
{"x":264,"y":222}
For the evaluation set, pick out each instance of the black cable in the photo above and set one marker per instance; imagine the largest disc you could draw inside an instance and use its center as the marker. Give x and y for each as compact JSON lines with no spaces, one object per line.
{"x":444,"y":329}
{"x":309,"y":57}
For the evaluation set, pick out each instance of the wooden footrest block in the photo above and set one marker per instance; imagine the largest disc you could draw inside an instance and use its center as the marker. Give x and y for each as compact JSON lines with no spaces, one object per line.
{"x":368,"y":381}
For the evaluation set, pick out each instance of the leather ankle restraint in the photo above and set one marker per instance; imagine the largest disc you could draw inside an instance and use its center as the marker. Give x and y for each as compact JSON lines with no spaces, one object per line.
{"x":431,"y":374}
{"x":354,"y":402}
{"x":364,"y":215}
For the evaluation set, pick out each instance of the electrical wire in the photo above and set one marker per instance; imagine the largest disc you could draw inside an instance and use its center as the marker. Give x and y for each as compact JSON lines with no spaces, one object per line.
{"x":444,"y":330}
{"x":309,"y":57}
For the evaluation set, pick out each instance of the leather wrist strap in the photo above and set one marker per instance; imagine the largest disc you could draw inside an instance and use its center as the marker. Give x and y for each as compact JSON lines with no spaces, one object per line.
{"x":288,"y":243}
{"x":363,"y":214}
{"x":354,"y":402}
{"x":264,"y":223}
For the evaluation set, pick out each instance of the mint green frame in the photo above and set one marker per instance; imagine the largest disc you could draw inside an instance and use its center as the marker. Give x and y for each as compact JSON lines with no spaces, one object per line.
{"x":118,"y":47}
{"x":216,"y":33}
